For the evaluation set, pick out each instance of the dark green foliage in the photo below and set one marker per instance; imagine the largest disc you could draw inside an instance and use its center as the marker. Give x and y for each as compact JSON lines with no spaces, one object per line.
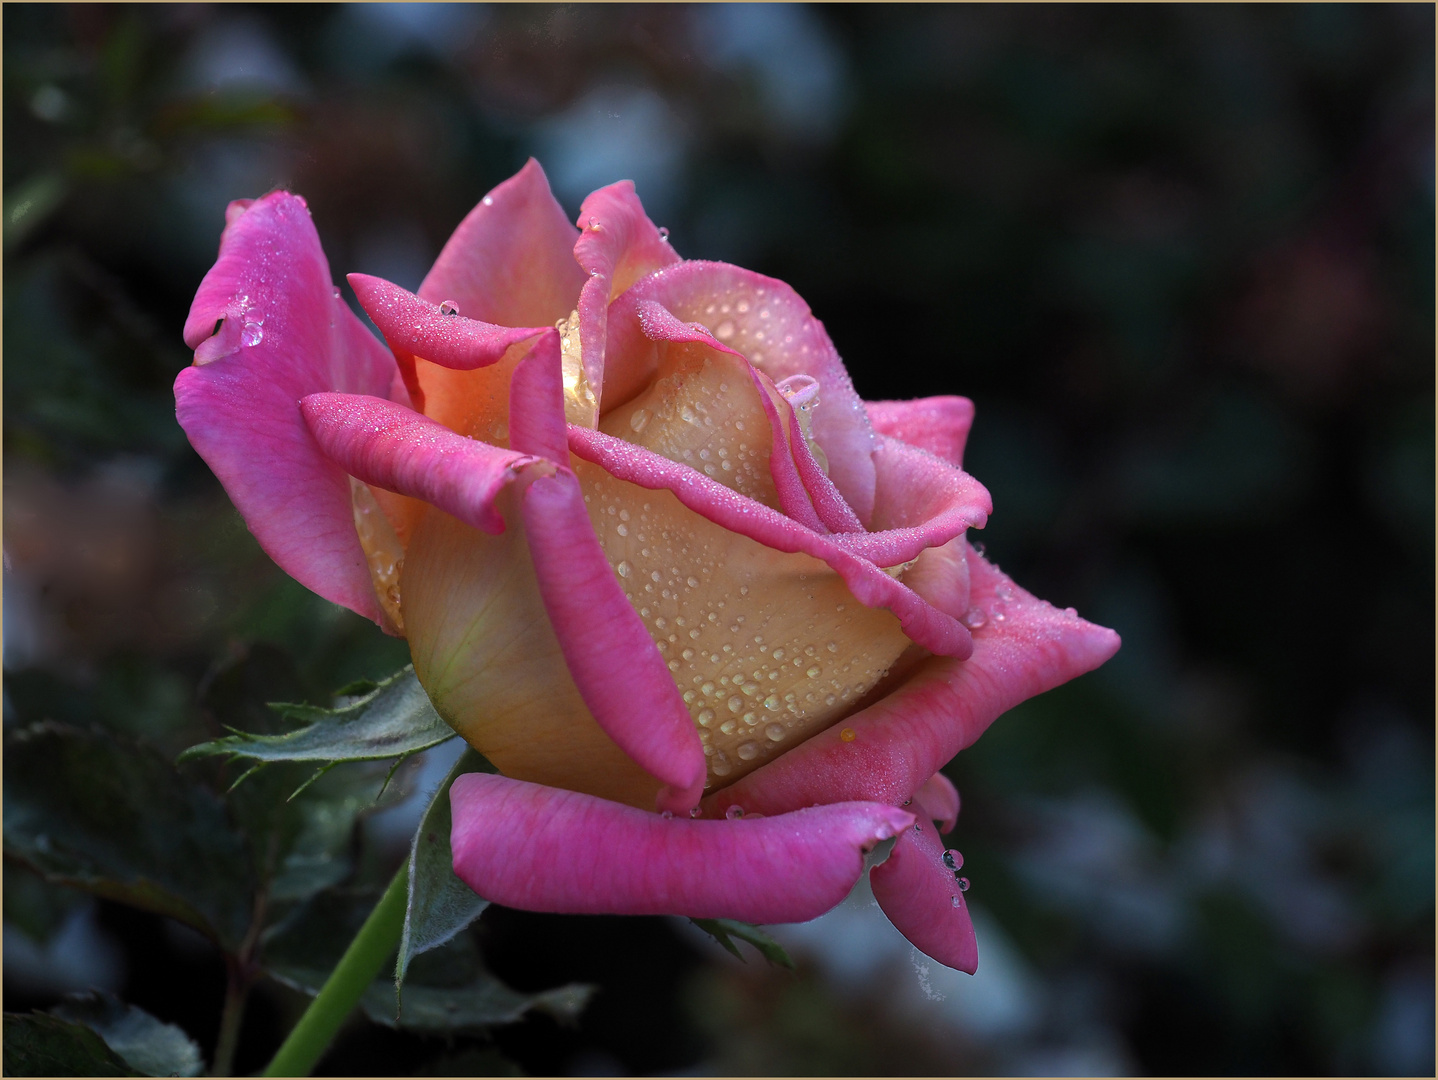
{"x":724,"y":931}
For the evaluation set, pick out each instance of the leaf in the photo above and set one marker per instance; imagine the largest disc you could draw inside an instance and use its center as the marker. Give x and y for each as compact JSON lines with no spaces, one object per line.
{"x":725,"y":930}
{"x":40,"y":1045}
{"x":35,"y":907}
{"x":448,"y":988}
{"x":440,"y":905}
{"x":145,"y":1043}
{"x":394,"y":720}
{"x":113,"y":817}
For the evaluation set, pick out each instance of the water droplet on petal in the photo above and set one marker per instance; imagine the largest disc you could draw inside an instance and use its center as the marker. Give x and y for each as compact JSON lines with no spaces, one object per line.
{"x":694,"y":813}
{"x":488,"y":200}
{"x":725,"y":330}
{"x":664,"y":234}
{"x":623,"y":568}
{"x":734,"y":813}
{"x":955,"y":901}
{"x":848,"y":735}
{"x":963,"y":884}
{"x":668,"y":815}
{"x":954,"y":860}
{"x":774,"y":732}
{"x":748,"y":751}
{"x":252,"y":334}
{"x":449,"y":307}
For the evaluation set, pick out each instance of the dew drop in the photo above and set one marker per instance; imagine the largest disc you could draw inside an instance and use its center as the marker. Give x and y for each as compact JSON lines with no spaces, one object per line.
{"x":974,"y":618}
{"x":488,"y":200}
{"x":963,"y":881}
{"x":955,"y":901}
{"x":832,"y":646}
{"x":622,"y":529}
{"x":722,"y":765}
{"x":813,"y":673}
{"x":735,"y":704}
{"x":725,"y":330}
{"x":772,"y":703}
{"x":252,"y":334}
{"x":774,"y":732}
{"x":748,"y":751}
{"x":728,"y":727}
{"x":688,"y":654}
{"x":448,"y":307}
{"x":733,"y":813}
{"x":694,"y":812}
{"x":668,"y":815}
{"x":638,"y":419}
{"x":664,"y":234}
{"x":706,"y":717}
{"x":623,"y":569}
{"x":848,"y":735}
{"x":954,"y":860}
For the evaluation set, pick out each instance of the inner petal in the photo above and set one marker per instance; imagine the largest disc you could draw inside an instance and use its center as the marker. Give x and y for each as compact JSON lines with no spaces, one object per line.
{"x":473,"y":403}
{"x":768,"y":647}
{"x":704,"y":411}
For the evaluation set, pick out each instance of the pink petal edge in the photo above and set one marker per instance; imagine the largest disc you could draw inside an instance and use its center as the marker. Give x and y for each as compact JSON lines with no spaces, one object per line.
{"x":617,"y":245}
{"x":543,"y":849}
{"x":285,"y":334}
{"x":922,"y":898}
{"x":416,"y":327}
{"x":394,"y":448}
{"x":618,"y":671}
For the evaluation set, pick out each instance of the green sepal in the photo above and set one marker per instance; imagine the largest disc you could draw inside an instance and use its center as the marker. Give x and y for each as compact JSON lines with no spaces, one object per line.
{"x":724,"y":931}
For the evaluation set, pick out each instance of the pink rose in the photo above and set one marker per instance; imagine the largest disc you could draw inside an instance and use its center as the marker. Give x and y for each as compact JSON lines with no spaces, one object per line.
{"x":649,"y":549}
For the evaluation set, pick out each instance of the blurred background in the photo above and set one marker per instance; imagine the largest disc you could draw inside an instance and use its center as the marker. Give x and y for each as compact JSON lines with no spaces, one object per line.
{"x":1182,"y":259}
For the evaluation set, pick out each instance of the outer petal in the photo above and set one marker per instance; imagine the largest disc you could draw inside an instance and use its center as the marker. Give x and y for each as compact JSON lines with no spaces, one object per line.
{"x":285,"y":334}
{"x":543,"y":849}
{"x":389,"y":446}
{"x":926,"y":625}
{"x":771,"y":325}
{"x":610,"y":656}
{"x":939,"y":425}
{"x":618,"y":245}
{"x":1022,"y":647}
{"x":922,"y":898}
{"x":939,"y":800}
{"x":511,"y":261}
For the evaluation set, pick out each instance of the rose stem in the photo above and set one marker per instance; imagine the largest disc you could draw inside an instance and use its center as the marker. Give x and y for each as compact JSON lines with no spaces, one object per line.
{"x":372,"y":946}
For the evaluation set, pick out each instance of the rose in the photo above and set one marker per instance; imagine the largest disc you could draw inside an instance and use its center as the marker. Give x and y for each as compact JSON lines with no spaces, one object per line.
{"x":645,"y":542}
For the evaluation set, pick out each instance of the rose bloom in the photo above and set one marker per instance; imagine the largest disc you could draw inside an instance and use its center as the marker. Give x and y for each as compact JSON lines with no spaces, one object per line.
{"x":713,"y":618}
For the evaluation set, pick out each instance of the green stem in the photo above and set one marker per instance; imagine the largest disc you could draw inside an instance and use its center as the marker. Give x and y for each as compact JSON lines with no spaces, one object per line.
{"x":372,"y":946}
{"x":236,"y":989}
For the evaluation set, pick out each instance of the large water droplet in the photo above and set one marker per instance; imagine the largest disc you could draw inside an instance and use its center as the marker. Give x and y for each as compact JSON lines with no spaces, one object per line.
{"x":734,"y":813}
{"x":748,"y":751}
{"x":638,"y":419}
{"x":725,"y":330}
{"x":252,"y":334}
{"x":963,"y":884}
{"x":448,"y":307}
{"x":954,"y":860}
{"x":623,"y":568}
{"x":774,"y":732}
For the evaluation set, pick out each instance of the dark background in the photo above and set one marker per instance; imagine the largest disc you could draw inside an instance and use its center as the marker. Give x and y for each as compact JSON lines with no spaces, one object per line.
{"x":1180,"y":257}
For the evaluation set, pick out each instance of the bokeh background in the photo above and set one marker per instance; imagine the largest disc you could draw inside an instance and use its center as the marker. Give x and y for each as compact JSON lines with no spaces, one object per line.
{"x":1182,"y":258}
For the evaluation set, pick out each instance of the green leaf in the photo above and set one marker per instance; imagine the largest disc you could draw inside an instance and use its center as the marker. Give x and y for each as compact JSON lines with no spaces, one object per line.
{"x":28,"y":206}
{"x":725,"y":930}
{"x":439,"y":905}
{"x":145,"y":1043}
{"x":115,"y":818}
{"x":448,"y":988}
{"x":40,"y":1045}
{"x":393,"y":721}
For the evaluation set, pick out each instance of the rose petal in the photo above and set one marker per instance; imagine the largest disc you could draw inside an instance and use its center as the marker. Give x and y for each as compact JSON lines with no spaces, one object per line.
{"x":511,"y":261}
{"x":939,"y":800}
{"x":617,"y":245}
{"x":542,"y":849}
{"x":285,"y":334}
{"x":389,"y":446}
{"x":921,"y":503}
{"x":922,"y":898}
{"x":772,"y":326}
{"x":887,"y":751}
{"x":925,"y":625}
{"x":939,"y":425}
{"x":611,"y":658}
{"x":421,"y":329}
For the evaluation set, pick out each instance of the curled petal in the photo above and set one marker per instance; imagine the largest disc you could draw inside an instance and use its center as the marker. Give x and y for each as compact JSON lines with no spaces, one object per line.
{"x":939,"y":633}
{"x":615,"y":666}
{"x":284,"y":333}
{"x":1022,"y":647}
{"x":389,"y":446}
{"x":921,"y":503}
{"x":511,"y":260}
{"x":939,"y":800}
{"x":939,"y":425}
{"x":617,"y":245}
{"x":770,"y":324}
{"x":922,"y":898}
{"x":415,"y":326}
{"x":544,"y":849}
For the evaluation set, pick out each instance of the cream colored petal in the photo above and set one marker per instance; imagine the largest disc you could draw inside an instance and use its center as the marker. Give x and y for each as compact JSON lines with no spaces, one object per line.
{"x":767,"y":647}
{"x":484,"y":649}
{"x":703,"y":411}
